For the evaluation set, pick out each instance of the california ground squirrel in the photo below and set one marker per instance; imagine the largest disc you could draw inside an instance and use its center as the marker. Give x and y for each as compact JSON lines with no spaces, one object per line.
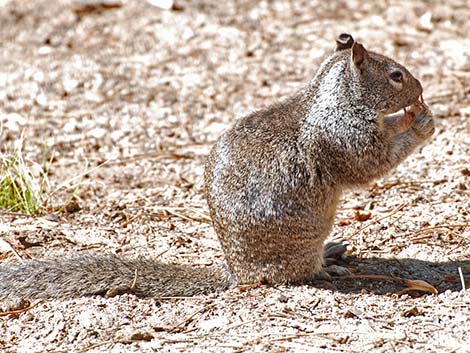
{"x":272,"y":185}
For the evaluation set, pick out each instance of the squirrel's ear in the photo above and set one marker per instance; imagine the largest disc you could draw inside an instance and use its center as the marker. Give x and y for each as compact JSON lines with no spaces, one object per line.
{"x":359,"y":55}
{"x":344,"y":41}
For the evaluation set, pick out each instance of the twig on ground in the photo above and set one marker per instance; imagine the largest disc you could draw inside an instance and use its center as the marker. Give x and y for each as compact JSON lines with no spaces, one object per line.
{"x":67,"y":183}
{"x":178,"y":298}
{"x":132,"y":219}
{"x":134,"y":282}
{"x":411,"y":283}
{"x":19,"y":311}
{"x":428,"y":229}
{"x":12,"y":249}
{"x":16,"y":214}
{"x":374,"y":221}
{"x":176,"y":211}
{"x":190,"y":318}
{"x":462,"y":279}
{"x":393,"y":183}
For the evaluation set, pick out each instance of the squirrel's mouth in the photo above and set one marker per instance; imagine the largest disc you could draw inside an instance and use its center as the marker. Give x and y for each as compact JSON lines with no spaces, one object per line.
{"x":416,"y":102}
{"x":411,"y":109}
{"x":405,"y":120}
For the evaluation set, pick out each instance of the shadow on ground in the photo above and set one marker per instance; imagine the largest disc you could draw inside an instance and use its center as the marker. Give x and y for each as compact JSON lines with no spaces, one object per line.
{"x":441,"y":275}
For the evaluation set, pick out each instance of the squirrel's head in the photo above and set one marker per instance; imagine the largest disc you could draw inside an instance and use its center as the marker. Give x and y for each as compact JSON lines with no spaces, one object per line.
{"x":377,"y":81}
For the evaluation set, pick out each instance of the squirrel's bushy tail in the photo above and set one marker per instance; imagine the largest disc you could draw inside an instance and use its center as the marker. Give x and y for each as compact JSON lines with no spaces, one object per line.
{"x":107,"y":275}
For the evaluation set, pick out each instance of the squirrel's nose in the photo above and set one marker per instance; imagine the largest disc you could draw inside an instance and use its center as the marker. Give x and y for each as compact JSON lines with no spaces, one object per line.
{"x":419,"y":87}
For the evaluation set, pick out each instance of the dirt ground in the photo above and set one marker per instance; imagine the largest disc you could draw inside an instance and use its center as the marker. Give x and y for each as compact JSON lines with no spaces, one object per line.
{"x":127,"y":102}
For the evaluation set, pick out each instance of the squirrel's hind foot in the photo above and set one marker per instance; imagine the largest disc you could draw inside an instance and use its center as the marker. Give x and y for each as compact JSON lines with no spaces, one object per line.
{"x":328,"y":272}
{"x":333,"y":253}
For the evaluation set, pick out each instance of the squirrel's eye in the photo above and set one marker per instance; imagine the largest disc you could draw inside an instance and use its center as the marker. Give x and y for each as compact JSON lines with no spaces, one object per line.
{"x":396,"y":76}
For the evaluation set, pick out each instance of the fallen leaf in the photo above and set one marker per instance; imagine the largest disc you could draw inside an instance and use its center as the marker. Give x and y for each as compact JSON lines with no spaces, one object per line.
{"x":141,"y":336}
{"x":411,"y":312}
{"x":362,"y":216}
{"x":416,"y":284}
{"x":344,"y":222}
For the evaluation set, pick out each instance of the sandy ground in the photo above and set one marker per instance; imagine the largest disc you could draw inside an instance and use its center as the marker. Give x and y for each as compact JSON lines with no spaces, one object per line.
{"x":127,"y":102}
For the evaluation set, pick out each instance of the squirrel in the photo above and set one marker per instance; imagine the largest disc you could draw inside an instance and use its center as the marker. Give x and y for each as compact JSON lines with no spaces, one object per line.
{"x":272,"y":184}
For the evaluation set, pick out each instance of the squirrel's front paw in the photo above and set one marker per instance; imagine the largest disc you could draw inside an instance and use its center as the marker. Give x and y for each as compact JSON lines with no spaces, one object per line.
{"x":423,"y":124}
